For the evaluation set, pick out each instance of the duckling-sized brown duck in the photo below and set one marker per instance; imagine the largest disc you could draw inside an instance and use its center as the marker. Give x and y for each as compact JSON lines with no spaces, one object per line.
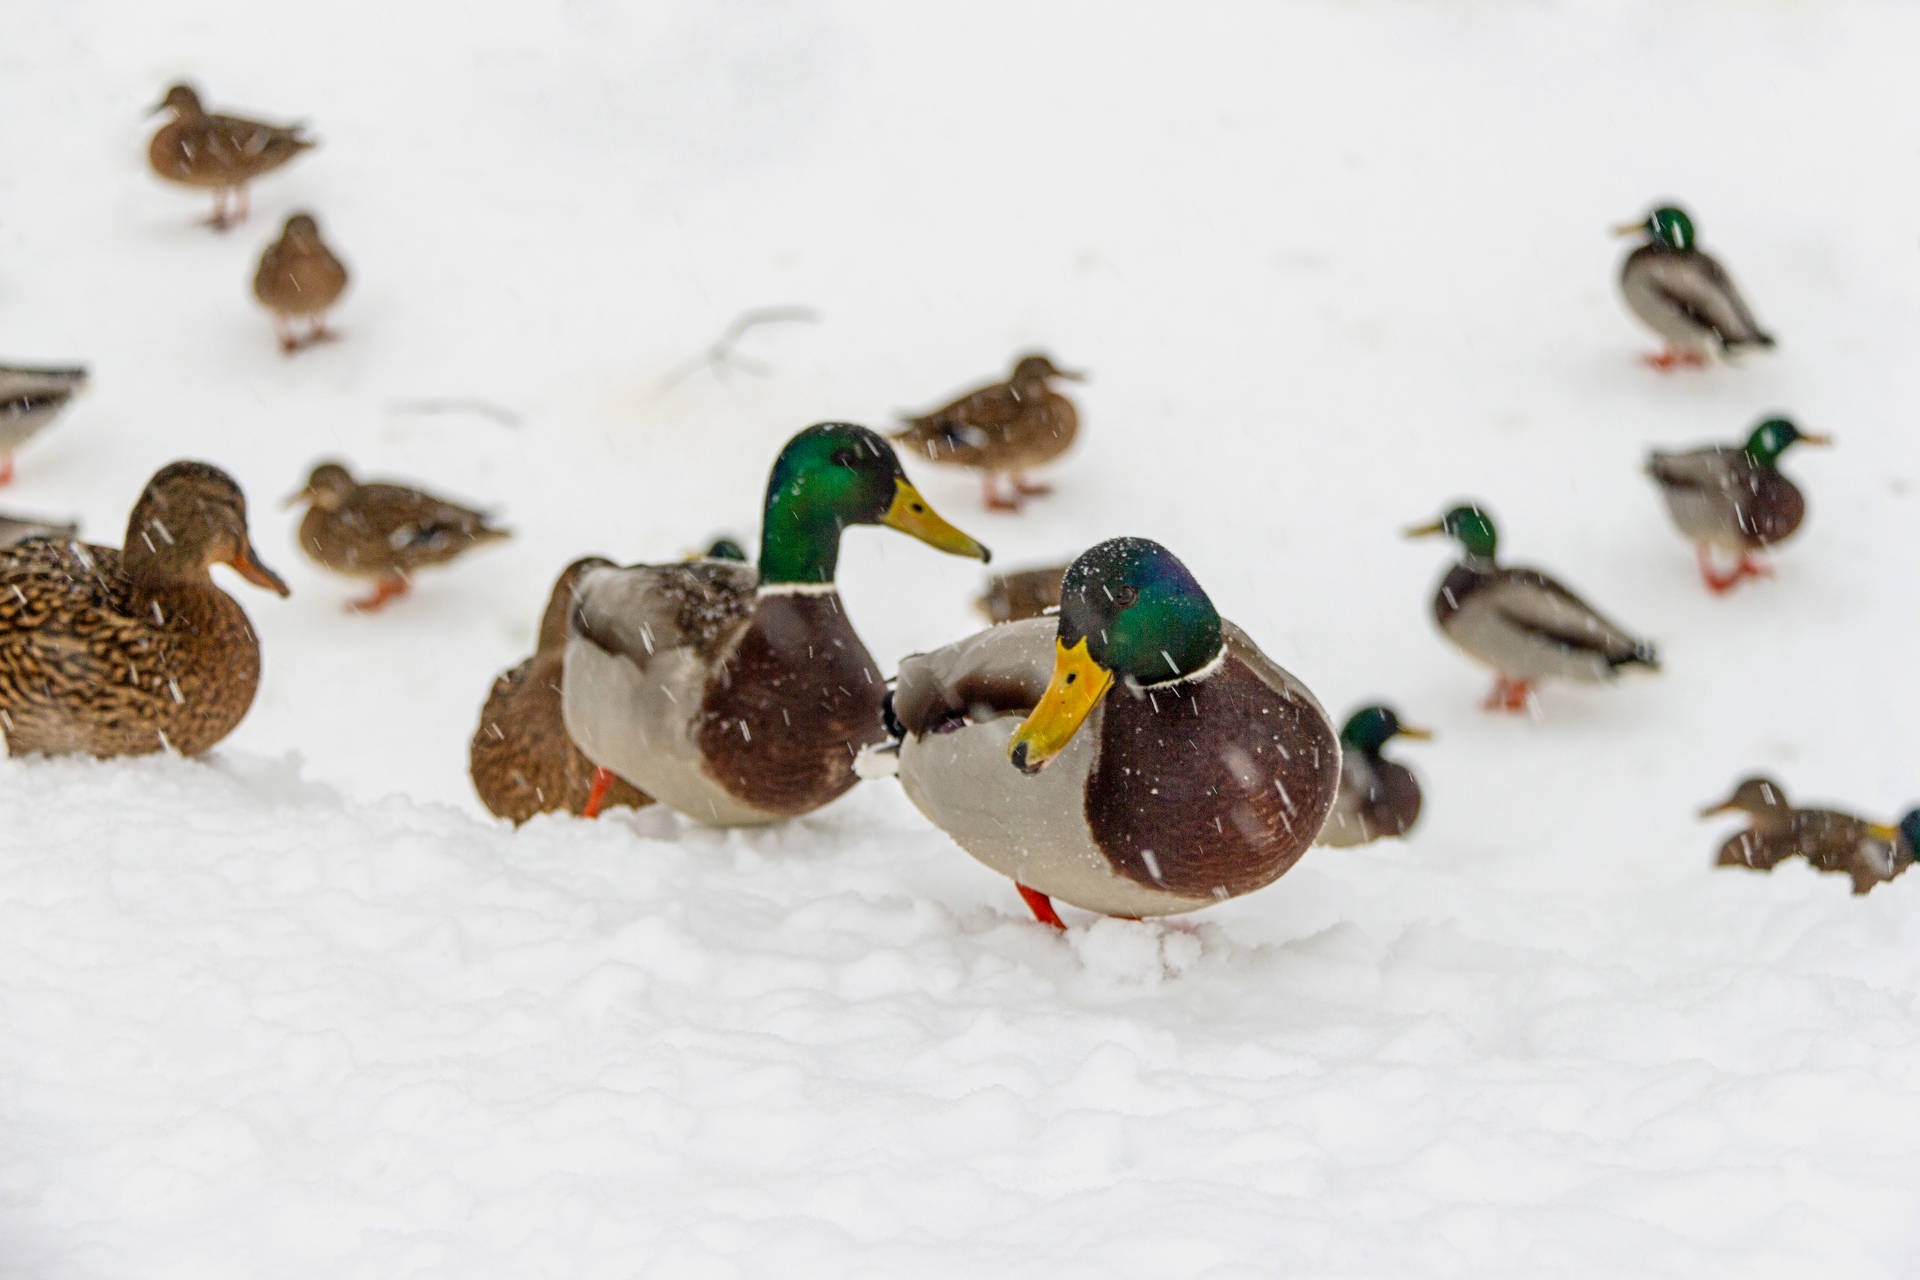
{"x":128,"y":652}
{"x":1378,"y":797}
{"x":1025,"y":593}
{"x":521,"y":759}
{"x":1002,"y":429}
{"x":299,"y":279}
{"x":1734,"y":498}
{"x":1866,"y":852}
{"x":382,"y":531}
{"x":219,"y":153}
{"x":31,"y":398}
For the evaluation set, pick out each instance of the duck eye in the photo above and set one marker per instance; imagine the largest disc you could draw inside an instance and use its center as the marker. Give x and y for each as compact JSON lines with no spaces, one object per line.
{"x":1125,"y":594}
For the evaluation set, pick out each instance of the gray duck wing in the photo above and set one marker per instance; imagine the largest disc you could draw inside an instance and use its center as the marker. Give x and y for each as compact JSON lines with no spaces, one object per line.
{"x":1700,"y":289}
{"x":1000,"y":671}
{"x":1540,"y":607}
{"x":642,"y":611}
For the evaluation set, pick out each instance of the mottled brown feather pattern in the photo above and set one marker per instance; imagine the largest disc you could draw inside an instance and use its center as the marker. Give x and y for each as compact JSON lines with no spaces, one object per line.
{"x":792,"y":704}
{"x":381,"y":529}
{"x":1207,"y":755}
{"x":298,"y":274}
{"x":92,"y":663}
{"x":201,"y":150}
{"x":1027,"y":593}
{"x":1831,"y":841}
{"x":1006,"y":426}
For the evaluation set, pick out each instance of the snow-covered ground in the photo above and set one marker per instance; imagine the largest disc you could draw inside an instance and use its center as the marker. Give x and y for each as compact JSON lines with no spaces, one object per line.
{"x":300,"y":1010}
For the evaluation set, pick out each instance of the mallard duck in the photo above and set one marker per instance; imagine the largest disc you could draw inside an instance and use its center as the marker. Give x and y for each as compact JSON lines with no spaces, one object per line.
{"x":1203,"y":777}
{"x":1027,"y":593}
{"x":737,"y":694}
{"x":382,"y":531}
{"x":299,"y":278}
{"x":1733,"y":498}
{"x":521,"y":760}
{"x":1002,"y":429}
{"x":1866,"y":852}
{"x":725,"y":548}
{"x":126,"y":652}
{"x":1682,"y":294}
{"x":30,"y":398}
{"x":15,"y":530}
{"x":1520,"y":622}
{"x":1378,"y":797}
{"x":219,"y":153}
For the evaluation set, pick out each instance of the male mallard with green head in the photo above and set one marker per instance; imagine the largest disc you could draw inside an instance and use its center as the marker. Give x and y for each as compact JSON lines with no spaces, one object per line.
{"x":521,"y":760}
{"x":1683,"y":295}
{"x":219,"y":153}
{"x":1733,"y":498}
{"x":30,"y":399}
{"x":1866,"y":852}
{"x":738,"y":694}
{"x":1002,"y":429}
{"x":299,"y":278}
{"x":126,"y":652}
{"x":1520,"y":622}
{"x":1136,"y":756}
{"x":1378,"y":797}
{"x":383,"y":531}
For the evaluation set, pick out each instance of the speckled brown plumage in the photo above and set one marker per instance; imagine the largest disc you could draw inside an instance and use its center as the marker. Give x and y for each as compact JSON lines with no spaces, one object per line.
{"x":219,"y":153}
{"x":299,"y":278}
{"x":1027,"y":593}
{"x":521,"y":760}
{"x":109,"y":653}
{"x":383,"y":531}
{"x":1003,"y":428}
{"x":1830,"y":841}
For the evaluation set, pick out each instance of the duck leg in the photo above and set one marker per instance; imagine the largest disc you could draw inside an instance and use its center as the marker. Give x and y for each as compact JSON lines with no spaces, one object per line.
{"x":1509,"y":695}
{"x":319,"y":332}
{"x":245,"y":201}
{"x":386,"y":589}
{"x":1040,"y":905}
{"x":1751,"y":566}
{"x":6,"y":468}
{"x":602,"y":783}
{"x":219,"y":219}
{"x":1672,"y":358}
{"x":1717,"y":582}
{"x":991,"y":495}
{"x":283,"y":327}
{"x":1029,"y":488}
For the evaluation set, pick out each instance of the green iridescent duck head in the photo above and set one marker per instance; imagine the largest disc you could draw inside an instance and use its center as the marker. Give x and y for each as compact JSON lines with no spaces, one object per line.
{"x":832,"y":475}
{"x":1128,"y":610}
{"x":1666,"y":225}
{"x":1467,"y":524}
{"x":1774,"y":437}
{"x":1371,"y":728}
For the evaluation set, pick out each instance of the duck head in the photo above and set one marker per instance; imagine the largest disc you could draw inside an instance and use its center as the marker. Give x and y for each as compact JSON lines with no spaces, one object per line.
{"x":1036,"y":366}
{"x":190,"y":517}
{"x":1667,"y":225}
{"x":1757,"y":797}
{"x":832,"y":475}
{"x":1371,"y":728}
{"x":1774,"y":437}
{"x":328,"y":487}
{"x":181,"y":100}
{"x":1467,"y":524}
{"x":1129,"y":610}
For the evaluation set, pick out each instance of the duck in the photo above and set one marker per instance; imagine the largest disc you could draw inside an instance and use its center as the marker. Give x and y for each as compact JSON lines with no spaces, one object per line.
{"x":1683,"y":294}
{"x":1522,"y":623}
{"x":16,"y":529}
{"x":1733,"y":498}
{"x":31,"y":397}
{"x":520,"y":759}
{"x":121,"y":652}
{"x":383,"y":531}
{"x":725,"y":547}
{"x":219,"y":153}
{"x":1002,"y":429}
{"x":1379,"y":798}
{"x":1868,"y":853}
{"x":299,"y":278}
{"x":1025,"y":593}
{"x":738,"y":694}
{"x":1137,"y":755}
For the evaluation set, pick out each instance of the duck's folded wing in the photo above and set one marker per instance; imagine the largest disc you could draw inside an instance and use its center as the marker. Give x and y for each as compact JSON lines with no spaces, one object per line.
{"x":1699,"y":288}
{"x":1694,"y":469}
{"x":644,"y":610}
{"x":410,"y":520}
{"x":58,"y":623}
{"x":1537,"y":605}
{"x":1000,"y":671}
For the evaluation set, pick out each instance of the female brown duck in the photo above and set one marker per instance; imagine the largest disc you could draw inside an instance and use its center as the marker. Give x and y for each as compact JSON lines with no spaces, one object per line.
{"x":113,"y":653}
{"x":218,"y":153}
{"x":521,"y":758}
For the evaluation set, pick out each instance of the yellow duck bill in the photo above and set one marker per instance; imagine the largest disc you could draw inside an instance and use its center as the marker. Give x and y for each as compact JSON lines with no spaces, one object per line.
{"x":911,"y":515}
{"x":1076,"y":688}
